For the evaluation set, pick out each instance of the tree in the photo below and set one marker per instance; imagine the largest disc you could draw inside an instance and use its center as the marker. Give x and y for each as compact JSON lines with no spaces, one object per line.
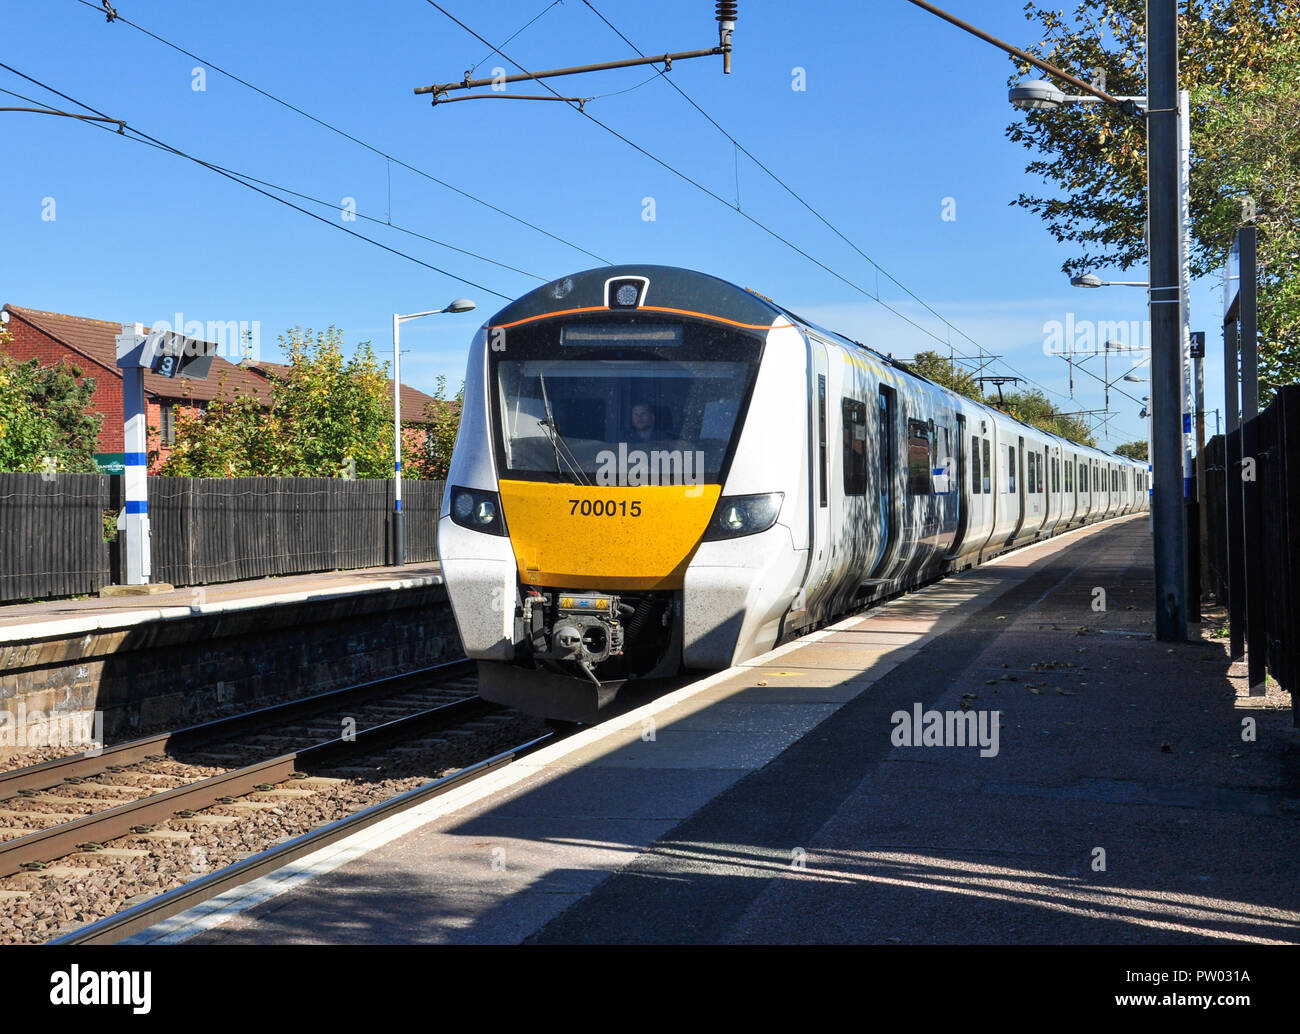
{"x":45,"y":417}
{"x":1033,"y":408}
{"x":1238,"y":60}
{"x":947,"y":373}
{"x":328,"y":415}
{"x":436,"y":439}
{"x":1029,"y":407}
{"x":1132,"y":450}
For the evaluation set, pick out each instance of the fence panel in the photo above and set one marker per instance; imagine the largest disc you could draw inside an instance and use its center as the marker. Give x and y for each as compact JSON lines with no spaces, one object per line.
{"x":52,"y":535}
{"x":209,"y":530}
{"x":421,"y":501}
{"x":1267,"y":612}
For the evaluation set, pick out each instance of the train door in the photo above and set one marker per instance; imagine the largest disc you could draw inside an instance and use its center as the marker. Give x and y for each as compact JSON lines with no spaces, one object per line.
{"x":886,"y":410}
{"x":1016,"y":484}
{"x":959,"y":487}
{"x":819,"y":548}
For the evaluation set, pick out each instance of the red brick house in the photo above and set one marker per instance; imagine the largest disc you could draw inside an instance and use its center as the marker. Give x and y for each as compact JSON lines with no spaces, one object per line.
{"x":91,"y":344}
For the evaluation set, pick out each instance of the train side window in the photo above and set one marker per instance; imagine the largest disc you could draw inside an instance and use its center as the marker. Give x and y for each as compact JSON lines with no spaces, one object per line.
{"x":1069,"y":479}
{"x":988,"y":468}
{"x":976,"y":479}
{"x":918,"y":458}
{"x":1011,"y":468}
{"x":855,"y":447}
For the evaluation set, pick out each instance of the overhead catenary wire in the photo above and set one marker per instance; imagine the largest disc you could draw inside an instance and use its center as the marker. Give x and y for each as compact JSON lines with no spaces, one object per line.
{"x":821,"y":218}
{"x":360,"y":215}
{"x":252,"y":186}
{"x":721,"y":200}
{"x":346,"y":135}
{"x":693,"y":182}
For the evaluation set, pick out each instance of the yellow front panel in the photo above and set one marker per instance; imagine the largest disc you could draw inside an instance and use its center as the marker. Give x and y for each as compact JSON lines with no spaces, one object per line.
{"x":579,"y":536}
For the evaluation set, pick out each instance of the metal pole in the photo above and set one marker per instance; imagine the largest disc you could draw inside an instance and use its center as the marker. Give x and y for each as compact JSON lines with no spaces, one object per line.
{"x":135,"y":479}
{"x":1252,"y":516}
{"x":399,"y":519}
{"x":1185,"y":282}
{"x":1166,"y":350}
{"x":1203,"y":542}
{"x":1232,"y":490}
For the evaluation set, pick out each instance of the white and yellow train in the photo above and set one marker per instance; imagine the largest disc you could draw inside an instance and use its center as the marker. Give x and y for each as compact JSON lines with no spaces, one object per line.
{"x":657,"y":470}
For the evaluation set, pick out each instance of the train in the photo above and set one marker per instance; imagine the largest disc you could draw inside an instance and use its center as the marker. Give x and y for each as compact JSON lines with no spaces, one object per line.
{"x":658,"y":471}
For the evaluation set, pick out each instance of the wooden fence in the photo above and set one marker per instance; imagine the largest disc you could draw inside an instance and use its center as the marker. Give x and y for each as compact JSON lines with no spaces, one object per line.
{"x":52,"y":535}
{"x":204,"y":530}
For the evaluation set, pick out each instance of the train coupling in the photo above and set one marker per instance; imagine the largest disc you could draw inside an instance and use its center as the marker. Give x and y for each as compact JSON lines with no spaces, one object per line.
{"x":584,"y":628}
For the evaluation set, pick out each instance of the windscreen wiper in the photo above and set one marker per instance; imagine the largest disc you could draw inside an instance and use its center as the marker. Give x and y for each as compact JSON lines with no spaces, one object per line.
{"x":557,"y":440}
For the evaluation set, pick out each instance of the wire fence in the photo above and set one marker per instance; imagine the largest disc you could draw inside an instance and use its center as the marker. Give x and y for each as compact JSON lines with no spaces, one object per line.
{"x":58,"y":538}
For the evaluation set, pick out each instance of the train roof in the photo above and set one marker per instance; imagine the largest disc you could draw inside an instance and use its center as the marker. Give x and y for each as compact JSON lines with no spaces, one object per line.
{"x":686,"y":290}
{"x":667,"y":287}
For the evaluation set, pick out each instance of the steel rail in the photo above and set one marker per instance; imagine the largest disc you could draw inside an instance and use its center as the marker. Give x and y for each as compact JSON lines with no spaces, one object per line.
{"x":49,"y":774}
{"x":65,"y":838}
{"x":149,"y":913}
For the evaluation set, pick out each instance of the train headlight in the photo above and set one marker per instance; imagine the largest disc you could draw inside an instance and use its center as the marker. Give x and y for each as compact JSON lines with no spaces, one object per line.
{"x":477,"y":510}
{"x":738,"y":515}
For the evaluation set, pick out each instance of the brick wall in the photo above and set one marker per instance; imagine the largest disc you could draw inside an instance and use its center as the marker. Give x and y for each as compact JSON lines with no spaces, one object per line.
{"x":161,"y":675}
{"x":30,"y":343}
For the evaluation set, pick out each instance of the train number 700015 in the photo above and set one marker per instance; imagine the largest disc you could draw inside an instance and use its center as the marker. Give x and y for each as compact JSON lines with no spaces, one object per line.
{"x":605,"y":507}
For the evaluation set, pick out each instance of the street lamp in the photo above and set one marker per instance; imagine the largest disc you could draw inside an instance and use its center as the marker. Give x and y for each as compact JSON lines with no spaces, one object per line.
{"x":1092,"y":280}
{"x":399,"y":519}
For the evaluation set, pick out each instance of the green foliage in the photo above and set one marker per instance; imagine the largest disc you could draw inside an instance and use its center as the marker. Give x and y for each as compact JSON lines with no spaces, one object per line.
{"x":430,"y":451}
{"x":1029,"y":407}
{"x":947,"y":373}
{"x":1132,"y":450}
{"x":1034,"y":408}
{"x":44,"y":419}
{"x":328,"y":415}
{"x":1238,"y":59}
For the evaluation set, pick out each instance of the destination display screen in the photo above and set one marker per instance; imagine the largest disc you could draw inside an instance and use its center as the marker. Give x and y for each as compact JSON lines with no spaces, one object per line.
{"x":621,"y":335}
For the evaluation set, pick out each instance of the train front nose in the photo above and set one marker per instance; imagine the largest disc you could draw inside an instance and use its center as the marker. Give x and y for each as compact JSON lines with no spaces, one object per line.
{"x":581,"y":537}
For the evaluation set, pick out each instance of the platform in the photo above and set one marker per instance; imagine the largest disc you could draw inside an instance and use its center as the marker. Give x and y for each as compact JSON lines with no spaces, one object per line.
{"x":772,"y":802}
{"x":136,"y":665}
{"x":88,"y":614}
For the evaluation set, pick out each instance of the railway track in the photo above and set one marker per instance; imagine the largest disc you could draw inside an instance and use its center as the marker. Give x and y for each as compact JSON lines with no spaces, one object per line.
{"x":97,"y":822}
{"x":142,"y":916}
{"x":63,"y":798}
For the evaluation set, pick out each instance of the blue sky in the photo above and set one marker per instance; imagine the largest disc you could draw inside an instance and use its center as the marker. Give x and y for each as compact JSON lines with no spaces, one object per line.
{"x":899,"y":113}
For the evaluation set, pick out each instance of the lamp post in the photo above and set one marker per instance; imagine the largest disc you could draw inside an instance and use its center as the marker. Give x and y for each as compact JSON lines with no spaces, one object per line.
{"x":399,"y":519}
{"x":1165,"y":109}
{"x":1092,"y":280}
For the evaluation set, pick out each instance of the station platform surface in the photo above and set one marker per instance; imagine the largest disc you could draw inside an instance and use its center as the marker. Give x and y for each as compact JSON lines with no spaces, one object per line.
{"x":772,"y":803}
{"x":74,"y":616}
